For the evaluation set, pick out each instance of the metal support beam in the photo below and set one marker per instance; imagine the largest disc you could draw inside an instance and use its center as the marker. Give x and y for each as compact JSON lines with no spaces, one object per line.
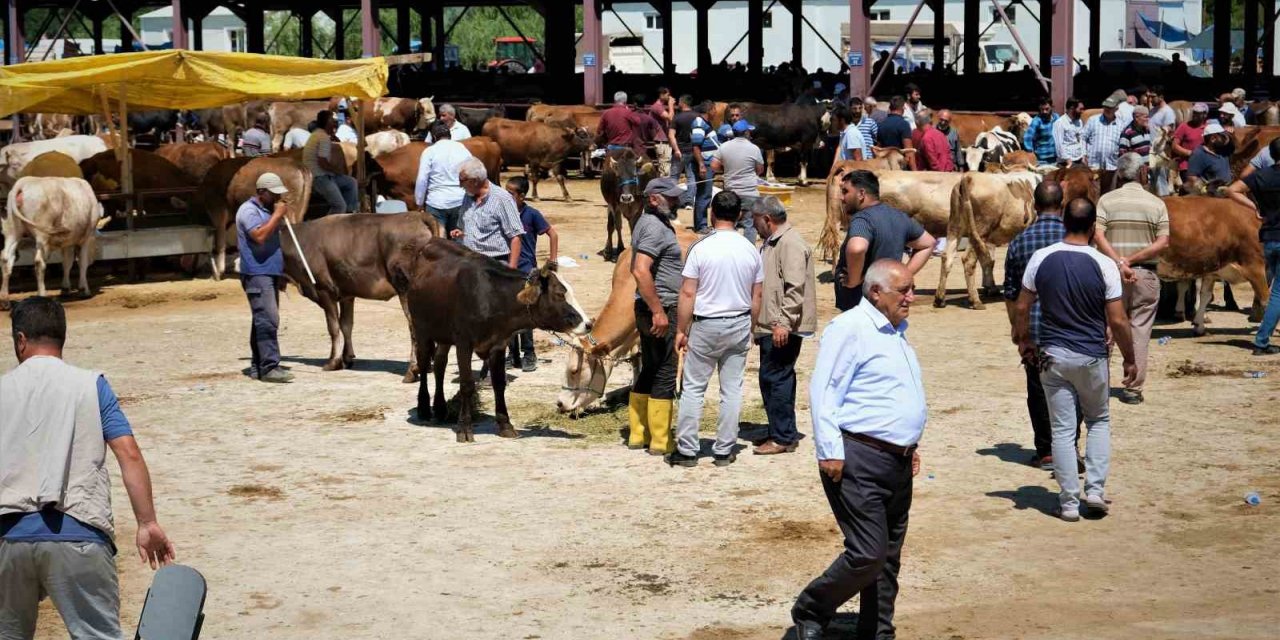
{"x":528,"y":42}
{"x":668,"y":43}
{"x":860,"y":48}
{"x":370,"y":35}
{"x":1046,"y":27}
{"x":1221,"y":39}
{"x":179,"y":26}
{"x":592,"y":45}
{"x":97,"y":34}
{"x":306,"y":33}
{"x":15,"y":48}
{"x":1095,"y":32}
{"x":1249,"y":57}
{"x":1026,"y":53}
{"x":255,"y":30}
{"x":702,"y":13}
{"x":755,"y":36}
{"x":796,"y":7}
{"x":644,"y":47}
{"x":1268,"y":40}
{"x":197,"y":32}
{"x":339,"y":34}
{"x":402,"y":28}
{"x":35,"y":42}
{"x":939,"y":35}
{"x":559,"y":24}
{"x":1063,"y":38}
{"x":440,"y":38}
{"x":972,"y":48}
{"x":898,"y":45}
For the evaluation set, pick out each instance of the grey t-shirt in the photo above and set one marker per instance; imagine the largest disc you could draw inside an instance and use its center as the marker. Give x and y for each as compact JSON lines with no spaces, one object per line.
{"x":256,"y":143}
{"x":740,"y":158}
{"x":887,"y":232}
{"x":658,"y":241}
{"x":318,"y":146}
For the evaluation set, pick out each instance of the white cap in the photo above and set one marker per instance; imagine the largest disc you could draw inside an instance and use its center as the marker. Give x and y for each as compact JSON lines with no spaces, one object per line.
{"x":1212,"y":128}
{"x":272,"y":182}
{"x":1237,"y":93}
{"x":1227,"y":107}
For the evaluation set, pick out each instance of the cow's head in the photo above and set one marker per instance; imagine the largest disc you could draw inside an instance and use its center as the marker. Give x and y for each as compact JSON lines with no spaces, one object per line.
{"x":579,"y":138}
{"x":624,"y":166}
{"x":826,"y":123}
{"x":894,"y":156}
{"x":551,"y":303}
{"x":586,"y":372}
{"x":1019,"y":123}
{"x":426,"y":113}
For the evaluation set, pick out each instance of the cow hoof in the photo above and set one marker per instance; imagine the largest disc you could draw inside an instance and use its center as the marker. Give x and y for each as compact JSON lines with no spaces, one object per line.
{"x":508,"y":431}
{"x":939,"y":302}
{"x":410,"y":377}
{"x":978,"y":306}
{"x":466,"y":436}
{"x":332,"y":365}
{"x":1199,"y":332}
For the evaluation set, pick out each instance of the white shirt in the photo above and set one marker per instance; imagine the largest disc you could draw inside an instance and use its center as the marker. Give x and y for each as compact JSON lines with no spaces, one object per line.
{"x":1124,"y":114}
{"x":1068,"y":138}
{"x":727,"y":266}
{"x":910,"y":114}
{"x":296,"y":138}
{"x":1163,"y":117}
{"x":866,"y":380}
{"x":347,"y":134}
{"x":458,"y":132}
{"x":437,"y":181}
{"x":850,"y":140}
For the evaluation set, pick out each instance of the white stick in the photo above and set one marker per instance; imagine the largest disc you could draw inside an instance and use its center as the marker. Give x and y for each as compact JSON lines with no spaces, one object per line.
{"x":302,"y":256}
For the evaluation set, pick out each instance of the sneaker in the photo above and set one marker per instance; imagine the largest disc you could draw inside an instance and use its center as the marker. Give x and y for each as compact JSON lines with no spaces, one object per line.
{"x":277,"y":376}
{"x":1129,"y":396}
{"x":1069,"y":515}
{"x":725,"y":460}
{"x":680,"y":459}
{"x":1045,"y":463}
{"x":530,"y":363}
{"x":1269,"y":350}
{"x":1097,"y":503}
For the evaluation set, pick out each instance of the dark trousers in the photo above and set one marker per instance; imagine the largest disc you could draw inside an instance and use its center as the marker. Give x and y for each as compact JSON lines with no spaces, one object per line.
{"x":521,"y":343}
{"x":696,"y":193}
{"x":870,"y":502}
{"x":448,"y":218}
{"x":847,"y":298}
{"x":1169,"y":308}
{"x":778,"y":387}
{"x":264,"y":304}
{"x":657,"y":377}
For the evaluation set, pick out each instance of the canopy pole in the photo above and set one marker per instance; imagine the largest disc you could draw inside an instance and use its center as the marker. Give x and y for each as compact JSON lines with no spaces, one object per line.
{"x":362,"y":180}
{"x":112,"y":129}
{"x":126,"y":166}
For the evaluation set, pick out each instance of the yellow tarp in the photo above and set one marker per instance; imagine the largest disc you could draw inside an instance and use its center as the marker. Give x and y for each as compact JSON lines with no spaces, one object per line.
{"x":178,"y":79}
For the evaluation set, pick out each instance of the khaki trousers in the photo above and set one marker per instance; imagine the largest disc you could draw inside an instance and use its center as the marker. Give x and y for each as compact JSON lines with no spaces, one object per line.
{"x":1140,"y":301}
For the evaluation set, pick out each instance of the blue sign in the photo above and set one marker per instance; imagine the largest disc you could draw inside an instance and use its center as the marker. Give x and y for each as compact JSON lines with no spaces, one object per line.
{"x":855,"y":58}
{"x":1057,"y":61}
{"x":588,"y":59}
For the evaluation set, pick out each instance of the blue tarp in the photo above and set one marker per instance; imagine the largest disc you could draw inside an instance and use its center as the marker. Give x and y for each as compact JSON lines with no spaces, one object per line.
{"x":1164,"y":30}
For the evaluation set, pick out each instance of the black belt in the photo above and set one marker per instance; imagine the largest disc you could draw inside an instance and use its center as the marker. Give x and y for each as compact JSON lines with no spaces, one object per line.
{"x":1146,"y":265}
{"x":740,"y":315}
{"x":887,"y":447}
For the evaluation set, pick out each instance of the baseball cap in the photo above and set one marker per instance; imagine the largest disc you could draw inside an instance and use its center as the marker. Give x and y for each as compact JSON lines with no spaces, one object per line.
{"x":664,"y":186}
{"x":272,"y":182}
{"x":1212,"y":128}
{"x":1110,"y":102}
{"x":817,"y":84}
{"x":1200,"y":107}
{"x":1229,"y":108}
{"x":743,"y":125}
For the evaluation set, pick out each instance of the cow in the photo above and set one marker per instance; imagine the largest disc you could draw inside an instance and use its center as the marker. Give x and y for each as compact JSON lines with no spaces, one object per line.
{"x":989,"y":210}
{"x":16,"y":156}
{"x":157,"y":122}
{"x":349,"y":256}
{"x":474,"y":119}
{"x":1018,"y":161}
{"x":396,"y":173}
{"x":923,"y":195}
{"x":52,"y":164}
{"x":49,"y":125}
{"x":990,"y":147}
{"x":886,"y":159}
{"x":60,"y":213}
{"x":228,"y":120}
{"x":194,"y":159}
{"x":538,"y":146}
{"x":622,"y":185}
{"x":460,"y":298}
{"x":1249,"y":141}
{"x":233,"y":181}
{"x":786,"y":127}
{"x":384,"y":142}
{"x":613,"y":338}
{"x":581,"y":115}
{"x":1213,"y":238}
{"x":1162,"y":164}
{"x":1078,"y":181}
{"x":969,"y":124}
{"x":288,"y":115}
{"x":150,"y":171}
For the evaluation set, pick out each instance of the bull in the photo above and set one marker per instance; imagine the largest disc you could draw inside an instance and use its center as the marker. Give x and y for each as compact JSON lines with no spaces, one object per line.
{"x":61,"y":213}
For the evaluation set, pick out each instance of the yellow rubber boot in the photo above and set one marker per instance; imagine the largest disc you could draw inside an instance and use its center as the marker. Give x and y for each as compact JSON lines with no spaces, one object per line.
{"x":660,"y":426}
{"x":638,"y":416}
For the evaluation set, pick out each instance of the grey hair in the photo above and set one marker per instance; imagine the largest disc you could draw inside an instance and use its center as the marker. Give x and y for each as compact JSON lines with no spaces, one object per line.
{"x":770,"y":206}
{"x":880,"y":274}
{"x":620,"y":96}
{"x":1129,"y":166}
{"x":924,"y":117}
{"x":472,"y":170}
{"x":446,"y":108}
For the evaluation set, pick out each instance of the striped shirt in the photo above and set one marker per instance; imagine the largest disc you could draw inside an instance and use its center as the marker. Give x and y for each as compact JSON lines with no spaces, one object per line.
{"x":1102,"y":139}
{"x":1131,"y":218}
{"x":870,"y":133}
{"x":489,"y":225}
{"x":1067,"y":139}
{"x":1135,"y":141}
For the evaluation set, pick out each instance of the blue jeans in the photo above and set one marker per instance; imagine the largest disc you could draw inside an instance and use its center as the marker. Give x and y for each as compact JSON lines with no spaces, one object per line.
{"x":1270,"y":253}
{"x":697,"y":194}
{"x":778,"y":386}
{"x":340,"y":192}
{"x":448,"y":218}
{"x":1077,"y":382}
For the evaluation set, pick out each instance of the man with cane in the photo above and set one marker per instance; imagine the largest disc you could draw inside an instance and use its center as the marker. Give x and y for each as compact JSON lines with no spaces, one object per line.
{"x":261,"y":267}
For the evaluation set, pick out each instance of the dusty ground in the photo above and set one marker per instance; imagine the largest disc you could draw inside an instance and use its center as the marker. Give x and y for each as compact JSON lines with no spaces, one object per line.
{"x":316,"y":510}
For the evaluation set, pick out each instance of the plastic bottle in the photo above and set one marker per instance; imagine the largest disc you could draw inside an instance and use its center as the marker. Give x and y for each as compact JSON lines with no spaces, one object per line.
{"x":1252,"y":499}
{"x":1255,"y":374}
{"x":1165,"y":340}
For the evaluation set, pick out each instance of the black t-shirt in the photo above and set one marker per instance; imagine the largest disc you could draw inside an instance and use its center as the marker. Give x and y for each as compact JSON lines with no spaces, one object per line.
{"x":1264,"y":186}
{"x":894,"y":131}
{"x":887,"y":231}
{"x":683,"y":124}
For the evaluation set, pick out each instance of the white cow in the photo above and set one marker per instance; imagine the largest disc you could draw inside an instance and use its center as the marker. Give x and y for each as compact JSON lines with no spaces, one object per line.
{"x":60,"y":213}
{"x":16,"y":156}
{"x":385,"y":142}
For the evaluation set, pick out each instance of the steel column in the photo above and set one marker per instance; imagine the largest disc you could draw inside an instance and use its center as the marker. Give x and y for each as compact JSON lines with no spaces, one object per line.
{"x":668,"y":33}
{"x":179,"y":26}
{"x":339,"y":34}
{"x":939,"y":35}
{"x":1062,"y":38}
{"x":592,"y":45}
{"x":370,"y":36}
{"x":796,"y":7}
{"x":755,"y":36}
{"x":96,"y":20}
{"x":438,"y":39}
{"x":1046,"y":42}
{"x":15,"y":47}
{"x":1095,"y":32}
{"x":1268,"y":39}
{"x":702,"y":11}
{"x":1221,"y":39}
{"x":306,"y":33}
{"x":972,"y":43}
{"x":1249,"y":57}
{"x":558,"y":38}
{"x":859,"y":47}
{"x":402,"y":28}
{"x":197,"y":32}
{"x":255,"y":30}
{"x":126,"y":33}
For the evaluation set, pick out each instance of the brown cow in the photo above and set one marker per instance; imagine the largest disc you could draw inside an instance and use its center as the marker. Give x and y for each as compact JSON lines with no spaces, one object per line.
{"x":405,"y":114}
{"x":968,"y":124}
{"x":52,"y":164}
{"x":233,"y":181}
{"x":1078,"y":181}
{"x":537,"y":145}
{"x":988,"y":209}
{"x":1212,"y":238}
{"x":1249,"y":141}
{"x":397,"y":171}
{"x":287,"y":115}
{"x":150,"y":171}
{"x":622,"y":185}
{"x":580,"y":115}
{"x":350,"y":257}
{"x":195,"y":159}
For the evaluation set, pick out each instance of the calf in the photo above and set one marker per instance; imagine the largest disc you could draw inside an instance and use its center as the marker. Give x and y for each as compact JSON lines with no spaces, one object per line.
{"x":988,"y":209}
{"x":622,"y":185}
{"x":537,"y":145}
{"x":350,"y":257}
{"x":460,"y":298}
{"x":60,"y":213}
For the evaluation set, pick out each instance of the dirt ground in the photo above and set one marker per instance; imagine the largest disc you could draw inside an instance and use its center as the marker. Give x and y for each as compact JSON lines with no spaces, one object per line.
{"x":317,"y":510}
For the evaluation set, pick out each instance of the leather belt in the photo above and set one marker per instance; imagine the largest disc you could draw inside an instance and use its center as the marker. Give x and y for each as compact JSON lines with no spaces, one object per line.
{"x":740,"y":315}
{"x":887,"y":447}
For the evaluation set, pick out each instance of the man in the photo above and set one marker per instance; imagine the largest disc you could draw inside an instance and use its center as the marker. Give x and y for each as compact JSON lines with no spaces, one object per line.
{"x":719,"y":303}
{"x":1247,"y":116}
{"x":1261,"y":160}
{"x":297,"y":137}
{"x":872,"y":109}
{"x":894,"y":131}
{"x":953,"y":137}
{"x":534,"y":225}
{"x":1044,"y":231}
{"x":880,"y":63}
{"x":851,"y":145}
{"x":437,"y":189}
{"x":1101,"y":136}
{"x":1039,"y":136}
{"x":1260,"y":191}
{"x":256,"y":142}
{"x":57,"y":531}
{"x":867,"y":126}
{"x":1124,"y":107}
{"x":261,"y":267}
{"x":742,"y":164}
{"x":656,"y":265}
{"x":1190,"y":135}
{"x":1137,"y":136}
{"x":689,"y":130}
{"x":1229,"y":113}
{"x":867,"y":400}
{"x":877,"y":231}
{"x":934,"y":153}
{"x":732,"y":113}
{"x":328,"y":177}
{"x":1162,"y":115}
{"x":1133,"y":230}
{"x":449,"y":116}
{"x":841,"y":96}
{"x":1209,"y":163}
{"x":661,"y":112}
{"x":1080,"y":297}
{"x":488,"y":222}
{"x":913,"y":105}
{"x":788,"y":315}
{"x":1178,"y":66}
{"x":1068,"y":134}
{"x":619,"y":126}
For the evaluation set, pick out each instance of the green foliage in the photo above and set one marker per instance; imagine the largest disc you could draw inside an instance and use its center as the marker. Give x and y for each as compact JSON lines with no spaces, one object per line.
{"x":475,"y":32}
{"x":1237,"y":13}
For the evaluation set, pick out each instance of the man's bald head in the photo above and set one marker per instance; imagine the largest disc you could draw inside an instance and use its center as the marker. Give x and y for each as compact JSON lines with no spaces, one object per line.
{"x":944,"y":114}
{"x":1048,"y":196}
{"x":1080,"y":216}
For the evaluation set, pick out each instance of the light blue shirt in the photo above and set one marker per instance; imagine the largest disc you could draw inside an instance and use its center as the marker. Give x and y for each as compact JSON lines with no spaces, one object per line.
{"x":852,"y":139}
{"x":867,"y":380}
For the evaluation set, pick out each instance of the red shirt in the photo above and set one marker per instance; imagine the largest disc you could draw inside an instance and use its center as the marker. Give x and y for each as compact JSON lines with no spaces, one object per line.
{"x":934,"y":154}
{"x":1189,"y":138}
{"x":658,"y":111}
{"x":619,"y":125}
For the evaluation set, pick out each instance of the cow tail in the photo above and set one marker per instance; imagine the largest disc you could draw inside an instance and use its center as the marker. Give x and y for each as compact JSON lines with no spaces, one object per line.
{"x":17,"y":213}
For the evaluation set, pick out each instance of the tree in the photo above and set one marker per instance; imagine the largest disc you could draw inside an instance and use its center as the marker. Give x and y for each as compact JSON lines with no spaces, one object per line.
{"x":1237,"y":13}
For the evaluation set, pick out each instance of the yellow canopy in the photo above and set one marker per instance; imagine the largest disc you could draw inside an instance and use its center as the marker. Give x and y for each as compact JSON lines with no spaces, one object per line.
{"x":179,"y":79}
